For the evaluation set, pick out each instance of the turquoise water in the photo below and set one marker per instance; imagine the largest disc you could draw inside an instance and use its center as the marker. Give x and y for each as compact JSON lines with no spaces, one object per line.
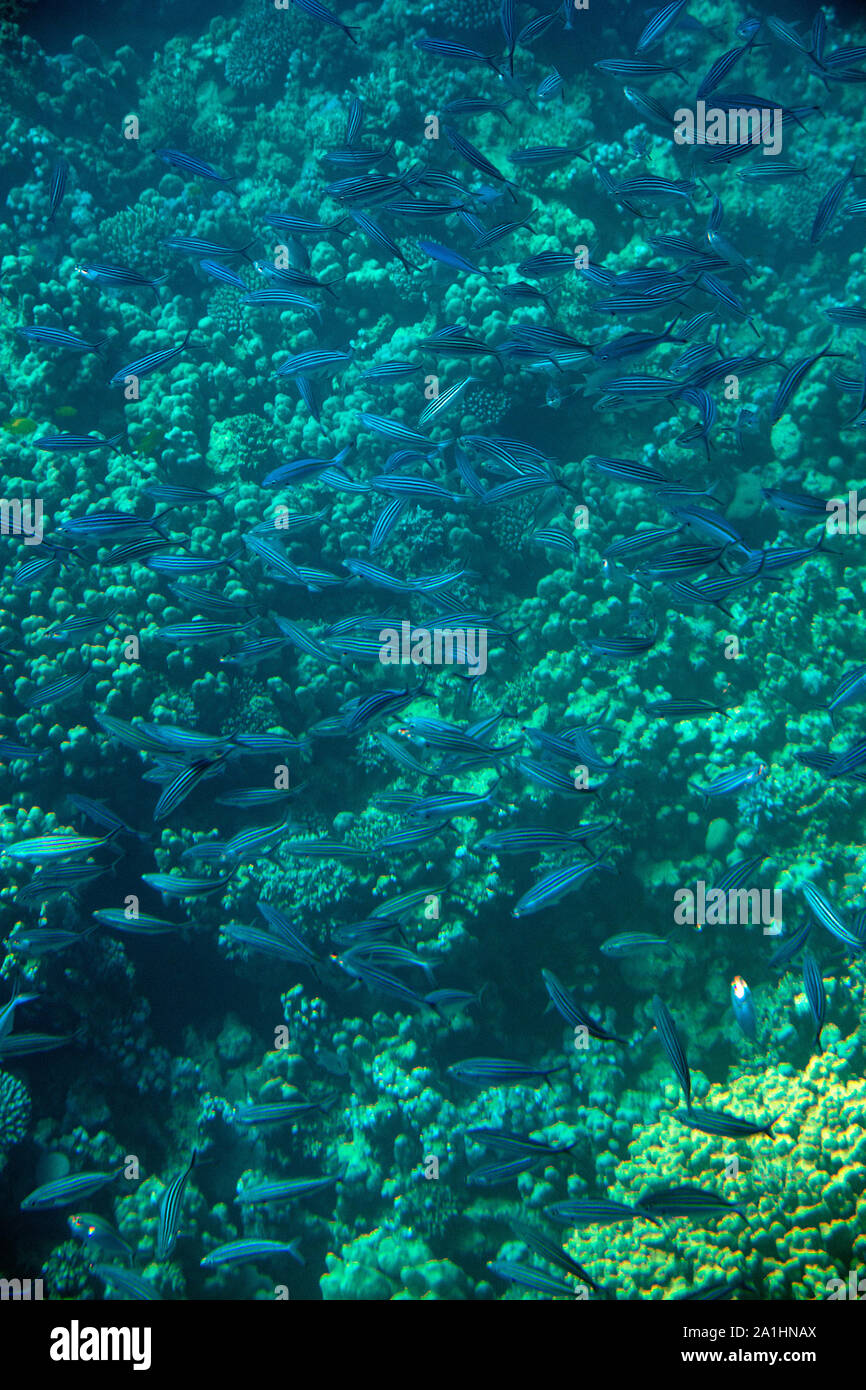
{"x":431,"y":476}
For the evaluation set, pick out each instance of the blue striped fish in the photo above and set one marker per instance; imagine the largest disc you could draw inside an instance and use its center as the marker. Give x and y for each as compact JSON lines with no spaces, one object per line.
{"x":190,"y":164}
{"x":62,"y":1192}
{"x":170,"y":1210}
{"x":829,"y":205}
{"x":58,"y":337}
{"x":285,"y":1189}
{"x":120,"y":276}
{"x":575,"y":1016}
{"x":662,"y":20}
{"x":553,"y":886}
{"x":673,"y":1046}
{"x":813,"y":986}
{"x":57,"y":187}
{"x":792,"y":378}
{"x":151,"y":362}
{"x":62,"y":689}
{"x":236,"y":1252}
{"x":316,"y":10}
{"x":473,"y":156}
{"x":830,"y":918}
{"x":78,"y":443}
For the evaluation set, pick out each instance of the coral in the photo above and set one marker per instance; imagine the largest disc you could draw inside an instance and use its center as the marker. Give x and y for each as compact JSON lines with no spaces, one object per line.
{"x":14,"y":1111}
{"x":227,"y":311}
{"x":462,"y":16}
{"x":487,"y":404}
{"x":803,"y":1192}
{"x":240,"y":446}
{"x":168,"y":103}
{"x":260,"y":47}
{"x":131,"y":236}
{"x":67,"y":1273}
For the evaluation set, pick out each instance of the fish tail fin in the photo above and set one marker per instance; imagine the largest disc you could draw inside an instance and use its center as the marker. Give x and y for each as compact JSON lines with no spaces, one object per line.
{"x":563,"y":1066}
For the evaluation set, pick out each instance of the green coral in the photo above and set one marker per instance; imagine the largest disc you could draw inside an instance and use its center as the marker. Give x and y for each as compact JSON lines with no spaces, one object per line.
{"x":14,"y":1112}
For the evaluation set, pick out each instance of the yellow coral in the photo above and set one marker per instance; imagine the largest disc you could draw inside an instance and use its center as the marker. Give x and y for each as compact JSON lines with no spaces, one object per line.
{"x":803,"y":1192}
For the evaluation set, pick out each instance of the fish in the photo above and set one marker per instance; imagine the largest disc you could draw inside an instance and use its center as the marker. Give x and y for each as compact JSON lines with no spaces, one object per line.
{"x":275,"y":1112}
{"x":789,"y":947}
{"x":47,"y":849}
{"x":552,"y":1251}
{"x":743,"y":1006}
{"x":225,"y":275}
{"x":503,"y":1171}
{"x":151,"y":362}
{"x":192,"y":165}
{"x":137,"y":924}
{"x":127,"y":1281}
{"x":7,"y":1013}
{"x":181,"y":886}
{"x":673,"y":1045}
{"x":829,"y":205}
{"x":56,"y":691}
{"x":530,"y":1277}
{"x":662,"y":19}
{"x":722,"y":1123}
{"x":532,"y":840}
{"x":97,"y":1234}
{"x":595,"y":1211}
{"x":476,"y":106}
{"x":473,"y":156}
{"x":313,"y":364}
{"x":546,"y":156}
{"x":180,"y":565}
{"x":551,"y":888}
{"x":621,"y":646}
{"x":171,"y":1210}
{"x":792,"y":379}
{"x":632,"y":943}
{"x":829,"y":918}
{"x":813,"y":986}
{"x":42,"y":941}
{"x":63,"y":1192}
{"x":575,"y":1016}
{"x":683,"y":709}
{"x":285,"y":1189}
{"x":451,"y":317}
{"x":506,"y":1141}
{"x":236,"y":1252}
{"x":852,"y":685}
{"x":100,"y":526}
{"x":635,"y":68}
{"x":687,"y":1200}
{"x":319,"y":12}
{"x":212,"y":250}
{"x":20,"y":426}
{"x":9,"y":751}
{"x":57,"y":187}
{"x":59,"y":337}
{"x":499,"y":1071}
{"x":25,"y":1044}
{"x":731,"y":782}
{"x":774,"y":171}
{"x":456,"y":52}
{"x":120,"y":276}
